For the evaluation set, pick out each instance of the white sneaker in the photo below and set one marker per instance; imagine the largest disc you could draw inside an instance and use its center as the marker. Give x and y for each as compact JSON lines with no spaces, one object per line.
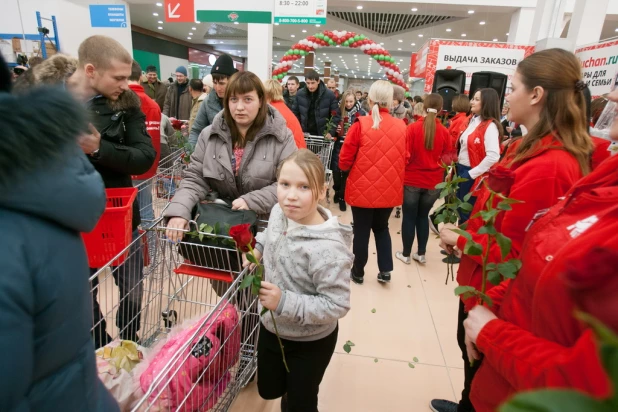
{"x":400,"y":256}
{"x":419,"y":258}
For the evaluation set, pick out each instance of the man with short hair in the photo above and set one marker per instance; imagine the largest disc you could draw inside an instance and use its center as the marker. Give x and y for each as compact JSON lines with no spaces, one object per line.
{"x":221,"y":72}
{"x":359,"y":95}
{"x":315,"y":105}
{"x":332,"y":86}
{"x":154,"y":88}
{"x":289,"y":95}
{"x":118,"y":146}
{"x":196,"y":87}
{"x":178,"y":99}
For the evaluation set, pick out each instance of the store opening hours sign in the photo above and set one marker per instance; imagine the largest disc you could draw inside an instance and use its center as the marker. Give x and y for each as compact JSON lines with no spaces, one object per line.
{"x":300,"y":11}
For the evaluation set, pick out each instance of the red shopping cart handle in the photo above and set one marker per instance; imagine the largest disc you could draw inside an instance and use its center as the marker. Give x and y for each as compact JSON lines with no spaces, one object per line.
{"x":187,"y":269}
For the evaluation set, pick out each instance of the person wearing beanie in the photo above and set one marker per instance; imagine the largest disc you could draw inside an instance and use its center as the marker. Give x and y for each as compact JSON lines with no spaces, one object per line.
{"x":399,"y":110}
{"x":221,"y":72}
{"x":154,"y":88}
{"x":178,"y":99}
{"x":207,"y":81}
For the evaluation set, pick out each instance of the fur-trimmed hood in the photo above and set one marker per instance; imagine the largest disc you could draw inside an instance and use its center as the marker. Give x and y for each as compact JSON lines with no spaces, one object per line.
{"x":43,"y":172}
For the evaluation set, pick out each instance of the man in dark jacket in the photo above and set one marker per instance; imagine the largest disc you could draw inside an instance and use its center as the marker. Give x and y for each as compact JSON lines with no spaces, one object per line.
{"x":50,"y":193}
{"x":178,"y":99}
{"x":118,"y":145}
{"x":221,"y":72}
{"x":154,"y":88}
{"x":315,"y":105}
{"x":289,"y":95}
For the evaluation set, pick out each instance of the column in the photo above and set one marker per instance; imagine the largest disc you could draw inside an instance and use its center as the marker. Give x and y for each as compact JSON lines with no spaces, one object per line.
{"x":260,"y":49}
{"x":327,"y":66}
{"x":337,"y":76}
{"x":587,"y":22}
{"x":521,"y":26}
{"x":309,"y":59}
{"x":549,"y":22}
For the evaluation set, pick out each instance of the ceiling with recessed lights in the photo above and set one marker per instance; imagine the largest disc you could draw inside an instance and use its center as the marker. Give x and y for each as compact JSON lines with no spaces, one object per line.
{"x":401,"y":27}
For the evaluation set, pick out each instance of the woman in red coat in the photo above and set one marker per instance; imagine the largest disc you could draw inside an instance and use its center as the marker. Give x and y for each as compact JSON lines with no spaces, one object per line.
{"x":427,"y":143}
{"x":459,"y":122}
{"x":530,"y":338}
{"x":546,"y":163}
{"x":374,"y":152}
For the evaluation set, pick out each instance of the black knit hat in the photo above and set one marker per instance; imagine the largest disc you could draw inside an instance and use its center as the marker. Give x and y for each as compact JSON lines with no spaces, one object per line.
{"x":224,"y":65}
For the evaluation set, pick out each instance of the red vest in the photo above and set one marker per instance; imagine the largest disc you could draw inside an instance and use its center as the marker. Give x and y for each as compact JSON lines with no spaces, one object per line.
{"x":459,"y":124}
{"x":153,"y":126}
{"x":476,"y":144}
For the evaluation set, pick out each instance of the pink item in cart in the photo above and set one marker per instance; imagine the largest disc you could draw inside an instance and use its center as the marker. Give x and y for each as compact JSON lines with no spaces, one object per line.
{"x":198,"y":373}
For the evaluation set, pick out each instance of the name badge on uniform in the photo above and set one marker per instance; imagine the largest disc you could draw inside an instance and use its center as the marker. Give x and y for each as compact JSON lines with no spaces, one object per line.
{"x":536,"y":217}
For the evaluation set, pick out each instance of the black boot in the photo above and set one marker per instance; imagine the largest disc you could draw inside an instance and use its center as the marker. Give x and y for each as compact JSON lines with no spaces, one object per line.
{"x":284,"y":403}
{"x":342,"y":205}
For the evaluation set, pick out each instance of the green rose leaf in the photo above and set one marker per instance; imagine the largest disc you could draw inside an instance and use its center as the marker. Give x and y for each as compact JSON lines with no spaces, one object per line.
{"x":263,"y":312}
{"x":376,"y":360}
{"x":494,"y":277}
{"x":441,"y":185}
{"x":463,"y":233}
{"x":473,"y":249}
{"x":485,"y":298}
{"x":411,"y":365}
{"x":467,"y":197}
{"x":259,"y":271}
{"x":415,"y":359}
{"x":504,"y":243}
{"x":373,"y":311}
{"x":487,"y":230}
{"x":251,"y":258}
{"x":554,"y":401}
{"x":504,"y":206}
{"x":487,"y":215}
{"x":347,"y":347}
{"x":466,"y":207}
{"x":460,"y":290}
{"x":248,"y":280}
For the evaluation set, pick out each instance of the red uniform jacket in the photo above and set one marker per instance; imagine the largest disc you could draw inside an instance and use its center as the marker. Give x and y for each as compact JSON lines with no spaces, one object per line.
{"x":600,"y":152}
{"x":423,"y":168}
{"x":292,"y":122}
{"x":459,"y":124}
{"x":536,"y":342}
{"x":476,"y":144}
{"x":376,"y":160}
{"x":539,"y":183}
{"x":153,"y":126}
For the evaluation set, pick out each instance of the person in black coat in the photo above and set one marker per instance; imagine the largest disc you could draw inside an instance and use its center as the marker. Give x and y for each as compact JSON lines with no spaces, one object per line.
{"x":315,"y":105}
{"x":49,"y":193}
{"x":118,"y":146}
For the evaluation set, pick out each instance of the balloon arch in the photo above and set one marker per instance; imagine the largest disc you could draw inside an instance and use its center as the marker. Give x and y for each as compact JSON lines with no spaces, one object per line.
{"x":345,"y":39}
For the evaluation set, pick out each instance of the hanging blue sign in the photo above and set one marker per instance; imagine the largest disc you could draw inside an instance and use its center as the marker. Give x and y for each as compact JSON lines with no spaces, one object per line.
{"x":112,"y":15}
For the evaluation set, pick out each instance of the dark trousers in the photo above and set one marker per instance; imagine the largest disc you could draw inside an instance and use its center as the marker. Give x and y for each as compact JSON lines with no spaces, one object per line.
{"x":339,"y":178}
{"x":417,"y":204}
{"x":366,"y":221}
{"x":128,"y":277}
{"x":307,"y":362}
{"x":469,"y":371}
{"x":464,"y":189}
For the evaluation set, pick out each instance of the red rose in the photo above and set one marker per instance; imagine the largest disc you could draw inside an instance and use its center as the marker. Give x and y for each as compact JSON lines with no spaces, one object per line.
{"x":449,"y":158}
{"x":242,"y":236}
{"x":346,"y":119}
{"x":177,"y":124}
{"x":333,"y":113}
{"x":500,"y":179}
{"x":357,"y":115}
{"x":592,"y":284}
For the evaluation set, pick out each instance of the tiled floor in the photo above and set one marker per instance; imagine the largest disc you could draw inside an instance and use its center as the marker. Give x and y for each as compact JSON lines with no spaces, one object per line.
{"x":416,"y":316}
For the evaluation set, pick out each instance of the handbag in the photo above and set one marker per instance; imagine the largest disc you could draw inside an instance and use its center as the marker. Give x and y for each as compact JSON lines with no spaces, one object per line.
{"x":215,"y":252}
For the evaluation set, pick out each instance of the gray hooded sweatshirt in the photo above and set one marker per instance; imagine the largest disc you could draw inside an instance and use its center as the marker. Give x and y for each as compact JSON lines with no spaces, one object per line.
{"x":311,"y":265}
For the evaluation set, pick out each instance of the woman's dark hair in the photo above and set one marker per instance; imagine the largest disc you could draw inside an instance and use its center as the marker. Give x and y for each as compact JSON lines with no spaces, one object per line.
{"x":196,"y":85}
{"x":563,"y":115}
{"x":418,"y":99}
{"x":433,"y":102}
{"x":243,"y":83}
{"x":490,"y":107}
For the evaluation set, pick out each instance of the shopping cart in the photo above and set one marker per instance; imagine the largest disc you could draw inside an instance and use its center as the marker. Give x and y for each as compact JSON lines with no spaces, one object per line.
{"x":174,"y":290}
{"x":324,"y":149}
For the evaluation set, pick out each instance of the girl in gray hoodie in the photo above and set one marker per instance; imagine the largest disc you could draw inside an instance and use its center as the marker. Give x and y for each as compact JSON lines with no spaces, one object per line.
{"x":307,"y":263}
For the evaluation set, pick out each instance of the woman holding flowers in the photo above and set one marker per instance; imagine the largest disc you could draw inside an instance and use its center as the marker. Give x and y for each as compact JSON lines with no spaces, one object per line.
{"x":537,"y":171}
{"x":307,"y":259}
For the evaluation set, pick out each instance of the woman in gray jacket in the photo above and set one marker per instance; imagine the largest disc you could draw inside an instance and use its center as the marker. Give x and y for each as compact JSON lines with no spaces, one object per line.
{"x":236,"y":157}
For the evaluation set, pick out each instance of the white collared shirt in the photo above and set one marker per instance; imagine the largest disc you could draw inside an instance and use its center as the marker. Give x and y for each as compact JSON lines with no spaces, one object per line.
{"x":492,"y":147}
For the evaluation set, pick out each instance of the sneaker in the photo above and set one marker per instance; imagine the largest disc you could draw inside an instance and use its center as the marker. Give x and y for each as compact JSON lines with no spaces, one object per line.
{"x":384,"y":277}
{"x":419,"y":258}
{"x":359,"y":280}
{"x":342,"y":205}
{"x":404,"y":259}
{"x":433,"y":226}
{"x":441,"y":405}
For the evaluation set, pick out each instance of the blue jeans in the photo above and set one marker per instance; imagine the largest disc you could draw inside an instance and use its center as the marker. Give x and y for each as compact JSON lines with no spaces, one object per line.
{"x":144,"y":199}
{"x":417,"y":204}
{"x":464,"y":189}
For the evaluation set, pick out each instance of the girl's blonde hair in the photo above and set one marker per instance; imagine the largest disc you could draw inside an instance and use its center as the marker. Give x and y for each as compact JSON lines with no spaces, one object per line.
{"x":381,"y":94}
{"x":311,"y":166}
{"x":273,"y":91}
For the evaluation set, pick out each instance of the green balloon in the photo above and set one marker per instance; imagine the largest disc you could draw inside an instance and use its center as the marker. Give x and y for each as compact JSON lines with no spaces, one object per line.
{"x":296,"y":51}
{"x":357,"y":38}
{"x":332,"y":43}
{"x":280,"y":76}
{"x":346,"y":43}
{"x":362,"y":37}
{"x":302,"y":52}
{"x":326,"y":39}
{"x":381,"y":57}
{"x":375,"y":56}
{"x":319,"y":36}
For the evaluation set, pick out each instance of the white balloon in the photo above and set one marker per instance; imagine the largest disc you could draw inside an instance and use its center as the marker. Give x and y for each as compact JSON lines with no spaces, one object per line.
{"x":343,"y":33}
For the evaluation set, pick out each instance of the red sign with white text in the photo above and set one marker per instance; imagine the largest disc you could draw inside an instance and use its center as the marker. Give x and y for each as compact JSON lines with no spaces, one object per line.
{"x":179,"y":11}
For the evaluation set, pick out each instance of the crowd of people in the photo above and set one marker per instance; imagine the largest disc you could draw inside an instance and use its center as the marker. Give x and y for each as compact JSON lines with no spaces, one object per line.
{"x":75,"y":126}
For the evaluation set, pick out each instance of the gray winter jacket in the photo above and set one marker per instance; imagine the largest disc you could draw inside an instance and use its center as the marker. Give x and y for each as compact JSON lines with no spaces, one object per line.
{"x":311,"y":265}
{"x":211,"y":167}
{"x":205,"y":116}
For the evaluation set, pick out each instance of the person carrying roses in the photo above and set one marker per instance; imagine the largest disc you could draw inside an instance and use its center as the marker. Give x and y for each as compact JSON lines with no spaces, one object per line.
{"x":537,"y":170}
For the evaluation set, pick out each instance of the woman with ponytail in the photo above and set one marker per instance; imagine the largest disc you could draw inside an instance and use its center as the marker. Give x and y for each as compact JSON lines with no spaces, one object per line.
{"x":374,"y":152}
{"x":547,"y":99}
{"x":427,"y":141}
